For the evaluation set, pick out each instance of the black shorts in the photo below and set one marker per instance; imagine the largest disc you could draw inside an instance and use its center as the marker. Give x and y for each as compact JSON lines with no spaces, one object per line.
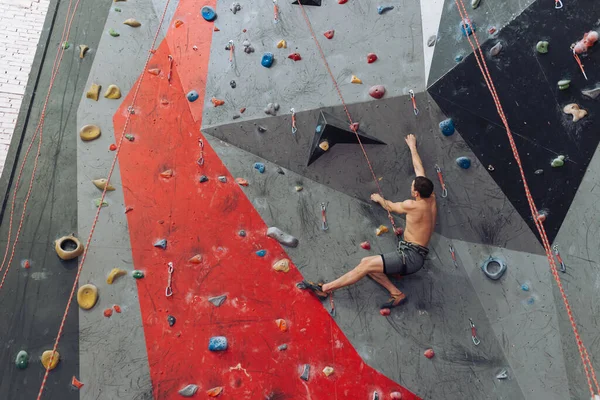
{"x":407,"y":259}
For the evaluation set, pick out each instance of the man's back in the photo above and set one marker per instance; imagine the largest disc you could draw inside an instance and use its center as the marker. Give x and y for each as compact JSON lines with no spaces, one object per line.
{"x":420,"y":220}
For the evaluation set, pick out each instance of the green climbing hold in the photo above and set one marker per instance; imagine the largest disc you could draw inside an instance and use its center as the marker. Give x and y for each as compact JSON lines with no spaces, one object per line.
{"x":564,"y":84}
{"x":137,"y":274}
{"x":22,"y":360}
{"x":66,"y":45}
{"x":113,"y":33}
{"x":558,"y":161}
{"x":117,"y":9}
{"x":100,"y":203}
{"x":542,"y":47}
{"x":129,"y":137}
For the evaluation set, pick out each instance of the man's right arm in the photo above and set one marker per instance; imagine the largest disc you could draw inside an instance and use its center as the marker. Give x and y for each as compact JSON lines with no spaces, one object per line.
{"x":411,"y":141}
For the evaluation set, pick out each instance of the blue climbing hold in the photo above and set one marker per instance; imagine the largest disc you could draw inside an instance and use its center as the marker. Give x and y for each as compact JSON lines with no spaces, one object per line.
{"x":217,"y":343}
{"x":267,"y":60}
{"x":208,"y":13}
{"x":192,"y":96}
{"x":458,"y":58}
{"x":384,"y":9}
{"x":463,"y":162}
{"x":525,"y":287}
{"x":260,"y":167}
{"x":162,"y":243}
{"x":447,"y":127}
{"x":261,"y":253}
{"x":467,"y":27}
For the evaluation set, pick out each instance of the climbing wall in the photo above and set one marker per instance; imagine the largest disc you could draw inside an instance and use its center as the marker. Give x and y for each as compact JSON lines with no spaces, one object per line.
{"x":213,"y":142}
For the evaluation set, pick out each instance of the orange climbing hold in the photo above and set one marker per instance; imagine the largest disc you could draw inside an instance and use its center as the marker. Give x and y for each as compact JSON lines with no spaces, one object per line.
{"x":108,"y":312}
{"x":241,"y":181}
{"x":76,"y":384}
{"x":214,"y":392}
{"x":381,"y":230}
{"x":216,"y":102}
{"x":167,"y":174}
{"x":117,"y":309}
{"x":178,"y":23}
{"x":282,"y":325}
{"x":154,"y":71}
{"x":197,"y":259}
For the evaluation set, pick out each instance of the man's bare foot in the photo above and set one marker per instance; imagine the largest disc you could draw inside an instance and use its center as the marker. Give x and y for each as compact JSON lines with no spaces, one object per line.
{"x":395,"y":301}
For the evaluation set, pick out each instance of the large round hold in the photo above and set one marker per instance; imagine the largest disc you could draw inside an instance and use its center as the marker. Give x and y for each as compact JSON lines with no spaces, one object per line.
{"x":447,"y":127}
{"x":87,"y":296}
{"x":46,"y":356}
{"x":68,"y":247}
{"x":377,"y":91}
{"x":208,"y":13}
{"x":89,"y":132}
{"x":192,"y":96}
{"x":267,"y":60}
{"x":463,"y":162}
{"x":22,"y":360}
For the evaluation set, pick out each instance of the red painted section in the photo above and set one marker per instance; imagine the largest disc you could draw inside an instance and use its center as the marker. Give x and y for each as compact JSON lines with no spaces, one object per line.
{"x":204,"y":218}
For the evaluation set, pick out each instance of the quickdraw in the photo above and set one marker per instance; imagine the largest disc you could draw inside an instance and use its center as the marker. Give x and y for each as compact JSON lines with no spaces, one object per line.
{"x":169,"y":289}
{"x":563,"y":267}
{"x":275,"y":12}
{"x":441,"y":178}
{"x":231,"y":47}
{"x":474,"y":337}
{"x":332,"y":304}
{"x":580,"y":65}
{"x":294,"y":129}
{"x":170,"y":68}
{"x":414,"y":101}
{"x":453,"y":255}
{"x":200,"y":161}
{"x":324,"y":225}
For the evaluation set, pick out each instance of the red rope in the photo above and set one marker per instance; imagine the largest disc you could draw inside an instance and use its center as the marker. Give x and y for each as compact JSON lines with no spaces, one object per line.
{"x":337,"y":88}
{"x":96,"y":217}
{"x":480,"y":58}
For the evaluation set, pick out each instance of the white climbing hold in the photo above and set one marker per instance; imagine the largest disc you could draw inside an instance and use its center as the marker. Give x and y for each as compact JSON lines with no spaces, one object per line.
{"x":218,"y":300}
{"x":189,"y":390}
{"x":282,"y":237}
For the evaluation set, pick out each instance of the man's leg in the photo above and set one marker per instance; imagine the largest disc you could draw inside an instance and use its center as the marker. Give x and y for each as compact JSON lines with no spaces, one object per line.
{"x":367,"y":265}
{"x":384,"y":281}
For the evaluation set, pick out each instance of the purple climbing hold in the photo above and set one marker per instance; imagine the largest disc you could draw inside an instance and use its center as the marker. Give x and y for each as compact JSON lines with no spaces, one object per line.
{"x":162,"y":243}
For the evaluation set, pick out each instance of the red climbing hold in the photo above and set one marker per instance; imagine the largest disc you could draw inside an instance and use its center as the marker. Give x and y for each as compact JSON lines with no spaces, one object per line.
{"x":385,"y":312}
{"x":366,"y":245}
{"x":377,"y":91}
{"x":167,"y":174}
{"x":282,"y":325}
{"x":342,"y":1}
{"x":241,"y":181}
{"x":154,"y":71}
{"x":117,"y":309}
{"x":217,"y":102}
{"x":242,"y":110}
{"x":108,"y":312}
{"x":178,"y":23}
{"x":354,"y":126}
{"x":128,"y":208}
{"x":371,"y":58}
{"x":26,"y":264}
{"x":216,"y":29}
{"x":112,"y":147}
{"x":197,"y":259}
{"x":329,"y":34}
{"x":429,"y":353}
{"x":399,"y":231}
{"x":76,"y":384}
{"x":295,"y":57}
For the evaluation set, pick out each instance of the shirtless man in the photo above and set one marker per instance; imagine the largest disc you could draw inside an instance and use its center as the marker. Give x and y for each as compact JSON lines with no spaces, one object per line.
{"x":412,"y":250}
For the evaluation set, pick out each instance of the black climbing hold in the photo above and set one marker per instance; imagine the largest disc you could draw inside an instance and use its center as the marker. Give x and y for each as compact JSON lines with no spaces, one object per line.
{"x":171,"y":319}
{"x":242,"y":233}
{"x":539,"y":171}
{"x":493,"y":268}
{"x":222,"y":178}
{"x":305,"y":372}
{"x":203,"y":178}
{"x":261,"y":129}
{"x":308,"y":2}
{"x":335,"y":131}
{"x":280,"y":171}
{"x":232,"y":84}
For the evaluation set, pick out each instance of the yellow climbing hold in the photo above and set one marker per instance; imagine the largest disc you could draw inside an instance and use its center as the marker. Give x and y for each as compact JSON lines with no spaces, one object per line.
{"x":282,"y":44}
{"x":134,"y":23}
{"x":103,"y":183}
{"x":328,"y":371}
{"x":94,"y":92}
{"x":355,"y":79}
{"x":324,"y":145}
{"x":114,"y":274}
{"x":381,"y":230}
{"x":89,"y":132}
{"x":87,"y":296}
{"x":282,"y":265}
{"x":113,"y":92}
{"x":82,"y":50}
{"x":46,"y":356}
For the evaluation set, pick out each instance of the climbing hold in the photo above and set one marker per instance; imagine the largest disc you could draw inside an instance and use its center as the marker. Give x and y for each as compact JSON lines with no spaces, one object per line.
{"x":129,"y":137}
{"x":215,"y":29}
{"x":112,"y":147}
{"x":68,"y":247}
{"x":385,"y":312}
{"x":429,"y":353}
{"x":203,"y":178}
{"x":260,"y":167}
{"x":591,"y":93}
{"x":188,"y":391}
{"x":112,"y":92}
{"x":564,"y":84}
{"x":575,"y":111}
{"x":298,"y":188}
{"x":272,"y":109}
{"x":539,"y":171}
{"x":242,"y":233}
{"x":295,"y":57}
{"x":377,"y":91}
{"x":248,"y":49}
{"x":22,"y":360}
{"x":217,"y":343}
{"x":89,"y":132}
{"x":329,"y":34}
{"x":82,"y":50}
{"x":366,"y":245}
{"x":162,"y":243}
{"x":94,"y":92}
{"x":261,"y":129}
{"x":114,"y":274}
{"x":491,"y":168}
{"x":87,"y":296}
{"x":208,"y":13}
{"x":282,"y":265}
{"x":282,"y":237}
{"x":282,"y":347}
{"x":235,"y":7}
{"x":267,"y":60}
{"x":167,"y":173}
{"x":542,"y":47}
{"x":241,"y":181}
{"x":103,"y":183}
{"x":76,"y":383}
{"x":384,"y":9}
{"x":525,"y":287}
{"x":214,"y":392}
{"x":178,"y":23}
{"x":218,"y":300}
{"x":100,"y":203}
{"x":132,"y":22}
{"x":117,"y":9}
{"x":371,"y":58}
{"x":117,"y":308}
{"x":381,"y":230}
{"x":66,"y":45}
{"x":305,"y":372}
{"x":328,"y":371}
{"x":113,"y":33}
{"x":26,"y":264}
{"x":496,"y":49}
{"x":342,"y":1}
{"x":354,"y":126}
{"x":171,"y":320}
{"x":242,"y":110}
{"x":232,"y":84}
{"x":503,"y":374}
{"x":558,"y":161}
{"x":492,"y":30}
{"x":154,"y":71}
{"x":475,"y":3}
{"x":280,"y":171}
{"x":396,"y":395}
{"x":282,"y":44}
{"x":431,"y":41}
{"x":458,"y":58}
{"x":355,"y":79}
{"x":447,"y":127}
{"x":137,"y":274}
{"x":324,"y":145}
{"x":47,"y":356}
{"x":463,"y":162}
{"x":108,"y":312}
{"x":217,"y":102}
{"x":192,"y":96}
{"x":493,"y":268}
{"x":197,"y":259}
{"x":467,"y":27}
{"x":281,"y":324}
{"x":261,"y":253}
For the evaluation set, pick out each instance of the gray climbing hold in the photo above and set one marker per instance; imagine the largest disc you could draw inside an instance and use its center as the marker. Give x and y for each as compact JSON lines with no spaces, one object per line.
{"x":272,"y":109}
{"x":171,"y":320}
{"x":242,"y":233}
{"x":162,"y":243}
{"x":232,"y":84}
{"x":305,"y":372}
{"x":261,"y":129}
{"x":246,"y":43}
{"x":188,"y":391}
{"x":280,"y":171}
{"x":493,"y":268}
{"x":475,"y":3}
{"x":282,"y":347}
{"x":591,"y":93}
{"x":248,"y":49}
{"x":22,"y":360}
{"x":539,"y":171}
{"x":431,"y":41}
{"x":235,"y":7}
{"x":236,"y":116}
{"x":203,"y":178}
{"x":222,"y":179}
{"x":494,"y":51}
{"x":503,"y":374}
{"x":282,"y":237}
{"x":384,"y":9}
{"x":218,"y":300}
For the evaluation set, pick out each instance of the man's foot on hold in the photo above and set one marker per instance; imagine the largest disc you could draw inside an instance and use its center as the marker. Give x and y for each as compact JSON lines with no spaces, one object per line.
{"x":394,"y":301}
{"x":316,"y":288}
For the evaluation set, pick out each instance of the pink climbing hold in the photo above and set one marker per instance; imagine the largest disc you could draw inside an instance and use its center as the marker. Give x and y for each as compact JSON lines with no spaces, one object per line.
{"x":329,"y":34}
{"x":385,"y":312}
{"x":589,"y":39}
{"x":371,"y":58}
{"x":295,"y":57}
{"x":366,"y":245}
{"x":429,"y":353}
{"x":354,"y":126}
{"x":377,"y":91}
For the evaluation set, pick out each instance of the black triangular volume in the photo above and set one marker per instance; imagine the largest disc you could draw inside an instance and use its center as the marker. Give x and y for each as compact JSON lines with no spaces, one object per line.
{"x":308,"y":2}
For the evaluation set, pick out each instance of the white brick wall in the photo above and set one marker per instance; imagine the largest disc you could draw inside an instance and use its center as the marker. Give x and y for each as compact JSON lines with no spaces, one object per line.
{"x":21,"y":23}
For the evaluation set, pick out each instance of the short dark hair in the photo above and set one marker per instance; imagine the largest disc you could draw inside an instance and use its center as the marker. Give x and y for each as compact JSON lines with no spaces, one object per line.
{"x":424,"y":186}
